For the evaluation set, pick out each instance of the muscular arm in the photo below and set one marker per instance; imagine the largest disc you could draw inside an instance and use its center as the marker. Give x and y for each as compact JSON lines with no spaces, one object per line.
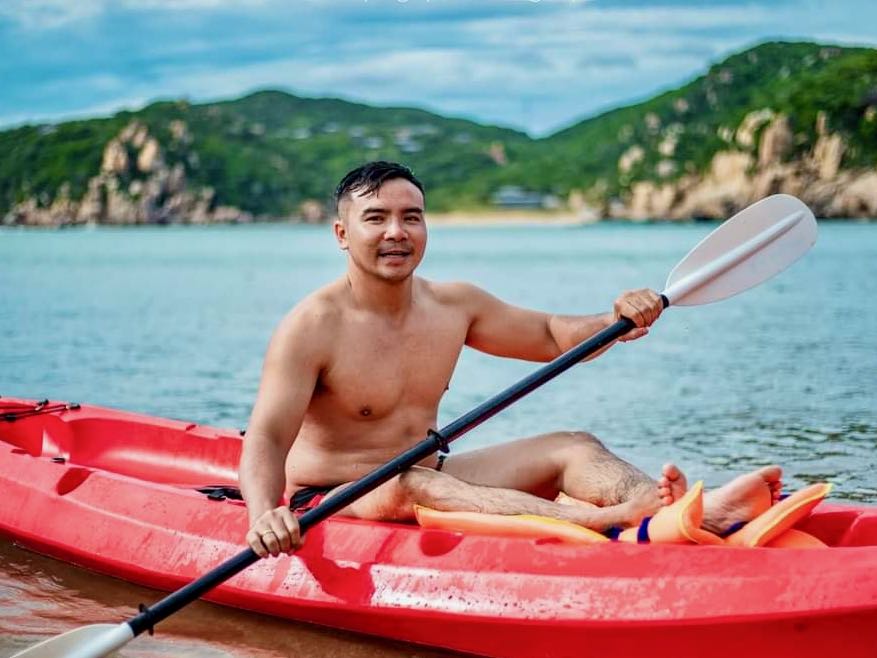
{"x":505,"y":330}
{"x":289,"y":375}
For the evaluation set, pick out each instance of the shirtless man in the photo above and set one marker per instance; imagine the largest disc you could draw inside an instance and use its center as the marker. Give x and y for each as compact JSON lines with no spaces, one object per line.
{"x":354,"y":374}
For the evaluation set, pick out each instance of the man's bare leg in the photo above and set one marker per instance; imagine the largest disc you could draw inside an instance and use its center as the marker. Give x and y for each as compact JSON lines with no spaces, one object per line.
{"x":395,"y":500}
{"x":576,"y":463}
{"x":523,"y":477}
{"x":586,"y":470}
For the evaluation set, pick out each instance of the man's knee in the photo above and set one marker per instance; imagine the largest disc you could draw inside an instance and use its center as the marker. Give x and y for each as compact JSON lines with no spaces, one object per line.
{"x":418,"y":485}
{"x":395,"y":500}
{"x":577,"y":441}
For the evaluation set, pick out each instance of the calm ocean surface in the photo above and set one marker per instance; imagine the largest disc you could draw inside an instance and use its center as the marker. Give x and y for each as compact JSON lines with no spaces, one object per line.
{"x":174,"y":322}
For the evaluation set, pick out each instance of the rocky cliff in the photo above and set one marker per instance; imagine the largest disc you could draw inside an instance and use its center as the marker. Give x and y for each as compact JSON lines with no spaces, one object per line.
{"x":134,"y":186}
{"x":749,"y":169}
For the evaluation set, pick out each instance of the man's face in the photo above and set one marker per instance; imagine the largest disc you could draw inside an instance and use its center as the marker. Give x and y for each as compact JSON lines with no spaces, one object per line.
{"x":384,"y":232}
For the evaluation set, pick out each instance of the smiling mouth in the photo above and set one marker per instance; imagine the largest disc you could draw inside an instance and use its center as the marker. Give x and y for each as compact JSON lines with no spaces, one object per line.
{"x":394,"y":254}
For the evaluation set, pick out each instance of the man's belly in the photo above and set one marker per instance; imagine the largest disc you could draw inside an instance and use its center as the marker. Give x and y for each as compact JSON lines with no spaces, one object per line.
{"x":321,"y":459}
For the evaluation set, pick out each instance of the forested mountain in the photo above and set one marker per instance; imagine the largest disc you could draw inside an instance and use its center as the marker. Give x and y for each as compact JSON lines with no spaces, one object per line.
{"x":793,"y":117}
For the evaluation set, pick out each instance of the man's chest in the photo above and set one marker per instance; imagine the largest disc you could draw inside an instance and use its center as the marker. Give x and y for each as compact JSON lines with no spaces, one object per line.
{"x":378,"y":369}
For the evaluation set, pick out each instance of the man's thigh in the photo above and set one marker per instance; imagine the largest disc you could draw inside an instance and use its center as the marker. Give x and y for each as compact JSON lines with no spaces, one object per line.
{"x":384,"y":503}
{"x":533,"y":464}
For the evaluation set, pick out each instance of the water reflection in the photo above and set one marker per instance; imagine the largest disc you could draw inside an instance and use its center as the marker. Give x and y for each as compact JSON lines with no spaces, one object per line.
{"x":40,"y":597}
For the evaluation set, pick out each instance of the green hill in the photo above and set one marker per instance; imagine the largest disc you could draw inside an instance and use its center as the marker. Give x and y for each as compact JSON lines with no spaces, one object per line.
{"x":265,"y":153}
{"x":797,"y":79}
{"x":270,"y":154}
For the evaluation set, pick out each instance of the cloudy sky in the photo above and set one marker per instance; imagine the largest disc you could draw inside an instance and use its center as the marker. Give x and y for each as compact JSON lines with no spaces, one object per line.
{"x":537,"y":65}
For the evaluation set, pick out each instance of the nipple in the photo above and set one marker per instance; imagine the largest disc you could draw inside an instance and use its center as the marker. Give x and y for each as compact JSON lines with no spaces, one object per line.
{"x":365,"y":411}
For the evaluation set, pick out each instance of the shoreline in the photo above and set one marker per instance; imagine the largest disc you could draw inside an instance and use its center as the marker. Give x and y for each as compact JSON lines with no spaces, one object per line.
{"x":457,"y":219}
{"x":477,"y":218}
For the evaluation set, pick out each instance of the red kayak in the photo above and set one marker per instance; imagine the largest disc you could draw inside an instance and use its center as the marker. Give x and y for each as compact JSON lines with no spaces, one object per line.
{"x":119,"y":493}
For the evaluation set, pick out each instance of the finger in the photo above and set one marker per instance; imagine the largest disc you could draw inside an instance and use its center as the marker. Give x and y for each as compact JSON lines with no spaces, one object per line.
{"x":655,"y":307}
{"x":281,"y":534}
{"x":633,"y":334}
{"x":255,"y":543}
{"x":291,"y":524}
{"x":620,"y":304}
{"x":270,"y":542}
{"x":634,"y":313}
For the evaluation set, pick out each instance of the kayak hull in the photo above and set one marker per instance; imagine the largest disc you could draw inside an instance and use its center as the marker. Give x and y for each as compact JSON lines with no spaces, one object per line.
{"x":116,"y":493}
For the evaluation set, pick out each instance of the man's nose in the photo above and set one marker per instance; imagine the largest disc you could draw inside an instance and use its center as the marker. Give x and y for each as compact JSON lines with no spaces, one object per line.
{"x":395,"y":229}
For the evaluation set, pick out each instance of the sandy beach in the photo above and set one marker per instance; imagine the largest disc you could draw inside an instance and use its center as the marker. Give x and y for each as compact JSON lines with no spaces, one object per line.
{"x":506,"y":218}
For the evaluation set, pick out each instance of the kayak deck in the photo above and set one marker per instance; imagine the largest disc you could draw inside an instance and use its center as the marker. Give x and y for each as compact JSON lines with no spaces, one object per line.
{"x":116,"y":492}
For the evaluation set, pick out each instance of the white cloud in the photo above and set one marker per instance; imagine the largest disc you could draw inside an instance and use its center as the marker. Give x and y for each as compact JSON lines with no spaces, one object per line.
{"x":541,"y":65}
{"x":48,"y":14}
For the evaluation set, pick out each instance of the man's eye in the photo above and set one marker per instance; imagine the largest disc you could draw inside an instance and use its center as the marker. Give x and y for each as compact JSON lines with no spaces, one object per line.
{"x":412,"y":218}
{"x":373,"y":218}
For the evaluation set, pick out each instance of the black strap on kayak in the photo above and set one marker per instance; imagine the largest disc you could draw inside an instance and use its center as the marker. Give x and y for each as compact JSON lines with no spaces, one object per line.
{"x":221,"y":492}
{"x":25,"y":411}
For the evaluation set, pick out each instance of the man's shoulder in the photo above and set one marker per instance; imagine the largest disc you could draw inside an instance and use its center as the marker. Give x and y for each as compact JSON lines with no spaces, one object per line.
{"x":453,"y":292}
{"x":315,"y":314}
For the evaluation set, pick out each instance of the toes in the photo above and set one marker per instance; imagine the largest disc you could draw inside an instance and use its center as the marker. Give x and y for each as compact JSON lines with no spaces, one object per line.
{"x":675,"y":475}
{"x":776,"y":492}
{"x":671,"y":472}
{"x":771,"y":474}
{"x":776,"y":487}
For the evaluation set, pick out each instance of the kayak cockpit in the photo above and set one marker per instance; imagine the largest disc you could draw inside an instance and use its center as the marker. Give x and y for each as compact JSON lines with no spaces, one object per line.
{"x":155,"y":450}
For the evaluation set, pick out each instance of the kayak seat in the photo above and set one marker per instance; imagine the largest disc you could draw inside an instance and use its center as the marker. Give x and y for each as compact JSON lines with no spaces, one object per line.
{"x":529,"y":526}
{"x":782,"y":516}
{"x":678,"y":523}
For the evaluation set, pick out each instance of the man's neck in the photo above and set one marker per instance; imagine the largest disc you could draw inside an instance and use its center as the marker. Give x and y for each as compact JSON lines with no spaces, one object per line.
{"x":390,"y":298}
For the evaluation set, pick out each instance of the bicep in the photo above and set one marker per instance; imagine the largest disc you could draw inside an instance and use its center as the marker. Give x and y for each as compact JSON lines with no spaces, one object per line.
{"x":506,"y":330}
{"x":289,"y":376}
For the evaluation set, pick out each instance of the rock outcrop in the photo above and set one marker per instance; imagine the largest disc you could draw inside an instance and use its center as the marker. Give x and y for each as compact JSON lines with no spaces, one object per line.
{"x":135,"y":185}
{"x":776,"y":141}
{"x":756,"y":164}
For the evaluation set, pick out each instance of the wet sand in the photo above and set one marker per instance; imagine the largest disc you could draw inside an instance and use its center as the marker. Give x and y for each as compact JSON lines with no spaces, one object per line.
{"x":41,"y":597}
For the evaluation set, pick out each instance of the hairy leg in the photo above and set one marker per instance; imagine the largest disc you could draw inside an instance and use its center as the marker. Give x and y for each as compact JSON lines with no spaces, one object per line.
{"x":576,"y":463}
{"x":395,"y":500}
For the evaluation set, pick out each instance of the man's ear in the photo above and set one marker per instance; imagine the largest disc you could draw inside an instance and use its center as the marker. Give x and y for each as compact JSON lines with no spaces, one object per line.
{"x":340,"y":233}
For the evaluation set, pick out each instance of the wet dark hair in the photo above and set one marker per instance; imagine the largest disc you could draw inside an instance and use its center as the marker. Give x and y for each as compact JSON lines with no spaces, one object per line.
{"x":369,"y":178}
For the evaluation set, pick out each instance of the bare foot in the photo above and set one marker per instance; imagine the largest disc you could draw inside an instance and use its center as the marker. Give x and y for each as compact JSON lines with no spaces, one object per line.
{"x":643,"y":502}
{"x":742,"y":499}
{"x":672,"y":484}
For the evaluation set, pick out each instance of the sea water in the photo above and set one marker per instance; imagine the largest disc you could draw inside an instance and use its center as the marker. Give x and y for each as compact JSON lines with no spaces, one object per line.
{"x":174,"y":321}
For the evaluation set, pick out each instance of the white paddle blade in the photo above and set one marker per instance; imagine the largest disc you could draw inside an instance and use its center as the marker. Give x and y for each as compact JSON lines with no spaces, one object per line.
{"x":754,"y":245}
{"x":93,"y":641}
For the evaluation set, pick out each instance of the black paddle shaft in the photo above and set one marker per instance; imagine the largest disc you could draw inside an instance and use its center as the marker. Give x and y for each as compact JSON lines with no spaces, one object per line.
{"x":435,"y":441}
